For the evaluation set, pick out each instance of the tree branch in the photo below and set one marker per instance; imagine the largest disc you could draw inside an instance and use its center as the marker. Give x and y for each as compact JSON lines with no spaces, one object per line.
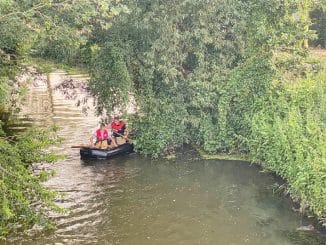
{"x":35,"y":8}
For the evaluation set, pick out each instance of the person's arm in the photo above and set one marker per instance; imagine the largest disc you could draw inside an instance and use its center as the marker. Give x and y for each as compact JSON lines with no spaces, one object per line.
{"x":110,"y":132}
{"x":126,"y":132}
{"x":91,"y":139}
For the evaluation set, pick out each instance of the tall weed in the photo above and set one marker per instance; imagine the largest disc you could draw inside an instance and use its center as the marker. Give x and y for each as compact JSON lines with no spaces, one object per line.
{"x":289,"y":137}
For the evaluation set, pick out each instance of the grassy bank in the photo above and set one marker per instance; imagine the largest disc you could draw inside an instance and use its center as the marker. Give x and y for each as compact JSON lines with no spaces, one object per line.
{"x":288,"y":136}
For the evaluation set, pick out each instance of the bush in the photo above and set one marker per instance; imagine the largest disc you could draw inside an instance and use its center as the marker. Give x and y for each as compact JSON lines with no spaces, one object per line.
{"x":24,"y":200}
{"x":289,"y":137}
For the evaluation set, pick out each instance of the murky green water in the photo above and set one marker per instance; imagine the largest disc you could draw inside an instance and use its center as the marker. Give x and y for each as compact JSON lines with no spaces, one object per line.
{"x":133,"y":200}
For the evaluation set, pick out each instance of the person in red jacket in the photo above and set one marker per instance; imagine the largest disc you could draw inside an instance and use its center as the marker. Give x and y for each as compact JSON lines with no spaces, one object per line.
{"x":101,"y":136}
{"x":119,"y":129}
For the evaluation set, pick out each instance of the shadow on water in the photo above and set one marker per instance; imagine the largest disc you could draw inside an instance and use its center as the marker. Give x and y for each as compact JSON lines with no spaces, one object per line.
{"x":304,"y":237}
{"x":136,"y":200}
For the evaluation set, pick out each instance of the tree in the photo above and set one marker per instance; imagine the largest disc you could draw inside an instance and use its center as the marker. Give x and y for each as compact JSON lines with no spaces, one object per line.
{"x":318,"y":16}
{"x":23,"y":198}
{"x":200,"y":63}
{"x":52,"y":28}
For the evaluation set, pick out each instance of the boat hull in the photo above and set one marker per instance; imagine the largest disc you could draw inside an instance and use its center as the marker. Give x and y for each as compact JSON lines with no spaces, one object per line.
{"x":87,"y":152}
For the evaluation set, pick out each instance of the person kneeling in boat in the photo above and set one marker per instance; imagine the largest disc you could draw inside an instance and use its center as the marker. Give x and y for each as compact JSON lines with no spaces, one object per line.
{"x":119,"y":129}
{"x":102,"y":138}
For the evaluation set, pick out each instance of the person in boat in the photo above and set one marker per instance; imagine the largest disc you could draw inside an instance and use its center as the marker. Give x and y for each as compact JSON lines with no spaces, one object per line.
{"x":101,"y":138}
{"x":119,"y":129}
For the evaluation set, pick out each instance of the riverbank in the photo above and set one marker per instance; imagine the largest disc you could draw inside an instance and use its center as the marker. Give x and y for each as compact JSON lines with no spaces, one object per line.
{"x":85,"y":176}
{"x":288,"y":138}
{"x":318,"y":224}
{"x":222,"y":156}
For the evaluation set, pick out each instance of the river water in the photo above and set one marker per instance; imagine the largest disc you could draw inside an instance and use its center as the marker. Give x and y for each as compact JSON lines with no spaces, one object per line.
{"x":134,"y":200}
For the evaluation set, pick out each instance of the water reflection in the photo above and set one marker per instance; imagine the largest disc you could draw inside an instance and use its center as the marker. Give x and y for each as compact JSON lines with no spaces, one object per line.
{"x":133,"y":200}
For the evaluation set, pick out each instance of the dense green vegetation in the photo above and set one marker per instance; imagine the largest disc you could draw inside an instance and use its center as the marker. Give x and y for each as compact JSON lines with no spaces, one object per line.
{"x":27,"y":27}
{"x":226,"y":76}
{"x":24,"y":200}
{"x":197,"y":67}
{"x":288,"y":136}
{"x":318,"y":17}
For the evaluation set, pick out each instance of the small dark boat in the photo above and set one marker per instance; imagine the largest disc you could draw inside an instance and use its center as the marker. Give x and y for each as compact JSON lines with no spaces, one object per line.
{"x":88,"y":152}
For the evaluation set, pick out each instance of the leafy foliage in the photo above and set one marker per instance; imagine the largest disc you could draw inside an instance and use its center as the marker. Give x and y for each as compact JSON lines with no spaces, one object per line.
{"x":110,"y":59}
{"x":211,"y":58}
{"x":201,"y":71}
{"x":288,"y":136}
{"x":23,"y":198}
{"x":57,"y":30}
{"x":204,"y":72}
{"x":318,"y":16}
{"x":24,"y":201}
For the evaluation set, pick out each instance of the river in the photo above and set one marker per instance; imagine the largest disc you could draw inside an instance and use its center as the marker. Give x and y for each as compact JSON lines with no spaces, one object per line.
{"x":135,"y":200}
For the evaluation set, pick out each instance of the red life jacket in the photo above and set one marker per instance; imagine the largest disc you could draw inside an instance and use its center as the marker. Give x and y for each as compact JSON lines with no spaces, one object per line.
{"x":117,"y":127}
{"x":102,"y":135}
